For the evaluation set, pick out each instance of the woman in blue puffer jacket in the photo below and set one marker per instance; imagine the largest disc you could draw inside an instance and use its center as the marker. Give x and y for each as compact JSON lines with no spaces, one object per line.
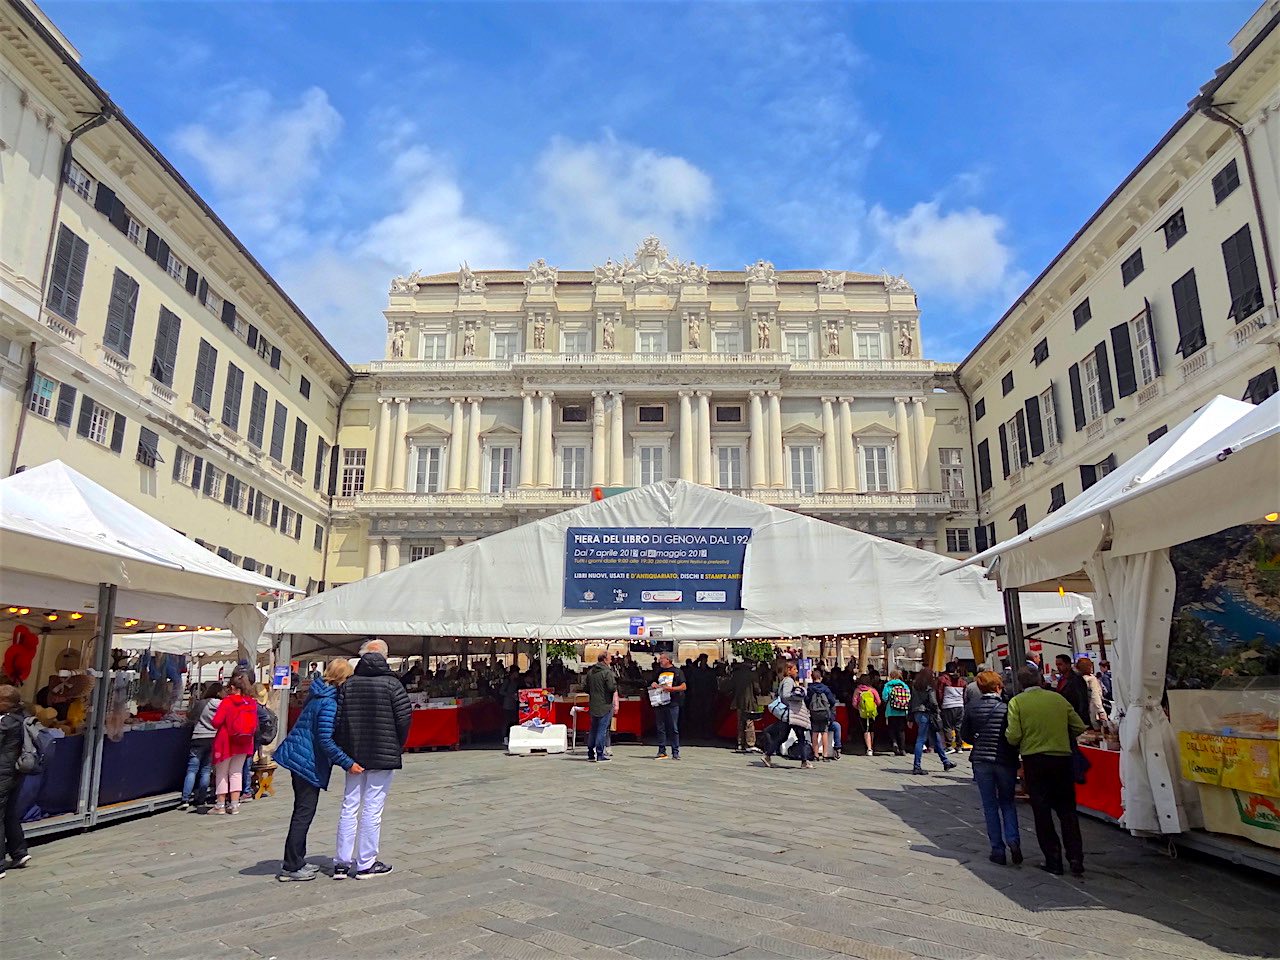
{"x":309,"y":753}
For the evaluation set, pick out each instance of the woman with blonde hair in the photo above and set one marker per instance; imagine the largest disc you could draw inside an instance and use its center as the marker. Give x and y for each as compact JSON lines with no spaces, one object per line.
{"x":309,"y":753}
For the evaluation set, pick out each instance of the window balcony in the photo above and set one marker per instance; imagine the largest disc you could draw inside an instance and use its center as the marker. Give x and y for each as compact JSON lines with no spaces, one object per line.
{"x":65,"y":329}
{"x":1197,"y":363}
{"x":544,"y":360}
{"x":1248,"y":331}
{"x":1151,"y":392}
{"x":161,"y":393}
{"x":1096,"y":429}
{"x":1015,"y":478}
{"x":117,"y":364}
{"x":1051,"y":455}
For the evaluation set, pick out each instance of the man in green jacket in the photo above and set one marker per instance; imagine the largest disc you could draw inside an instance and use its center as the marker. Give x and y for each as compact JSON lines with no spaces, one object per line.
{"x":1044,"y":726}
{"x":602,"y":690}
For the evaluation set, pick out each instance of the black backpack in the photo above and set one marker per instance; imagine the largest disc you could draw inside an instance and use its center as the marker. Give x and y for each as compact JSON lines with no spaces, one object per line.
{"x":268,"y":725}
{"x":820,"y":708}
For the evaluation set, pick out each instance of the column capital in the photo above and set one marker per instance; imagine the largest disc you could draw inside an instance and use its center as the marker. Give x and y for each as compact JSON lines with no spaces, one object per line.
{"x":457,"y":401}
{"x":828,"y":399}
{"x":846,"y":399}
{"x":755,"y":394}
{"x":546,"y":394}
{"x":902,"y":401}
{"x":684,"y":394}
{"x":702,"y":393}
{"x":616,"y":394}
{"x":918,"y":400}
{"x":528,"y":394}
{"x":474,"y":401}
{"x":598,"y":395}
{"x":384,"y":399}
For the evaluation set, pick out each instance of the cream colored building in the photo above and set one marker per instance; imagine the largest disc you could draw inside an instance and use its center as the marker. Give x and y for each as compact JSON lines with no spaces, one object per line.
{"x":506,"y":395}
{"x":140,"y":342}
{"x":1164,"y":299}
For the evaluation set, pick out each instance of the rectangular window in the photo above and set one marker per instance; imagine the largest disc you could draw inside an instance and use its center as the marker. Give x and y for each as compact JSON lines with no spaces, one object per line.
{"x":1260,"y":387}
{"x":651,"y":413}
{"x":264,"y":347}
{"x":164,"y":359}
{"x":729,"y":467}
{"x":1242,"y":275}
{"x":176,"y":268}
{"x":875,"y":468}
{"x":957,"y":539}
{"x":729,"y":413}
{"x":651,"y":341}
{"x":212,"y":481}
{"x":1019,"y":519}
{"x":206,"y":370}
{"x":79,"y":181}
{"x":1157,"y":433}
{"x":1006,"y":384}
{"x":435,"y":346}
{"x":652,"y":464}
{"x":1041,"y":352}
{"x":574,"y":413}
{"x":304,"y":388}
{"x":1082,"y":314}
{"x":213,"y":303}
{"x":1106,"y":466}
{"x":984,"y":466}
{"x":136,"y":233}
{"x":573,"y":468}
{"x":1144,"y":350}
{"x":1132,"y":267}
{"x":353,"y":462}
{"x":1175,"y":228}
{"x":576,"y":341}
{"x":183,"y":466}
{"x":317,"y":541}
{"x":501,"y":468}
{"x":797,"y":344}
{"x":870,"y":346}
{"x":1186,"y":306}
{"x":419,"y":552}
{"x":121,"y":307}
{"x":505,"y":345}
{"x":41,"y":402}
{"x":979,"y":410}
{"x":99,"y":423}
{"x":279,"y":426}
{"x":257,"y":415}
{"x":67,"y":280}
{"x":231,"y":397}
{"x":803,"y":462}
{"x":148,"y":447}
{"x":1018,"y":452}
{"x":427,"y":461}
{"x":322,"y":461}
{"x":299,"y":461}
{"x":727,"y":341}
{"x":286,"y":521}
{"x":263,"y":507}
{"x":952,"y":466}
{"x":1057,"y":497}
{"x":1092,"y":388}
{"x":1049,"y":417}
{"x":1225,"y":182}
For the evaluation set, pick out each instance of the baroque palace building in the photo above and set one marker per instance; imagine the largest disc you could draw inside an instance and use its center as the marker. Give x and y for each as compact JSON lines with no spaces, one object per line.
{"x":507,"y":395}
{"x":1164,"y":299}
{"x":140,"y":342}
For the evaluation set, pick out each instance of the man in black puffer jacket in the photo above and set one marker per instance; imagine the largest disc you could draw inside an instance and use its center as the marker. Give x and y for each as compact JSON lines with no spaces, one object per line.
{"x":373,"y":723}
{"x":995,"y":766}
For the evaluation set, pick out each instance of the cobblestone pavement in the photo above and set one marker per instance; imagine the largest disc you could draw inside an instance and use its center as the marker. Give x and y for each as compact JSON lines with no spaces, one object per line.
{"x":538,"y":858}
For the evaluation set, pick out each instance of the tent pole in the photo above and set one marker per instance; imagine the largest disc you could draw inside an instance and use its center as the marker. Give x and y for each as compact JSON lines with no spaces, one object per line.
{"x":542,"y":659}
{"x":91,"y":765}
{"x":1013,"y":630}
{"x":283,"y":654}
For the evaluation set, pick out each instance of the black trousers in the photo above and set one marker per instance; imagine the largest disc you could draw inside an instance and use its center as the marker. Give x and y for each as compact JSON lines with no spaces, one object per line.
{"x":1051,"y":787}
{"x":305,"y":798}
{"x":897,"y":734}
{"x":12,"y":840}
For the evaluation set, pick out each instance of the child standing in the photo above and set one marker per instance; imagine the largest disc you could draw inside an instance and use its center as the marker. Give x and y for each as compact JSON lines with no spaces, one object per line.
{"x":235,"y":723}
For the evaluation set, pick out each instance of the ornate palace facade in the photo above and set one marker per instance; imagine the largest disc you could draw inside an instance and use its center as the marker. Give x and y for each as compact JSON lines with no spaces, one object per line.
{"x":507,"y":395}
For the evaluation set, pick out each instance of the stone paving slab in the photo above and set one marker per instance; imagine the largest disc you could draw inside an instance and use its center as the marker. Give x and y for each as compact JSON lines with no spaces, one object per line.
{"x":549,"y":858}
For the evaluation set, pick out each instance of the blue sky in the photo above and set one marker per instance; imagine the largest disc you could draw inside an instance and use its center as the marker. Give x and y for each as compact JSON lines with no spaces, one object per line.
{"x":961,"y":144}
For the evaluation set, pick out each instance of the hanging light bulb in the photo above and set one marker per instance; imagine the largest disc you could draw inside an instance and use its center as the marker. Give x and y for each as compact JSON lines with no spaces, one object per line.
{"x":77,"y":616}
{"x":1273,"y":517}
{"x":13,"y":609}
{"x":51,"y":616}
{"x":23,"y":611}
{"x":161,"y":626}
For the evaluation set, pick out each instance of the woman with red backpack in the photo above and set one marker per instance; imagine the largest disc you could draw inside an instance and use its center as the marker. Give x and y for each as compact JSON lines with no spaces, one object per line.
{"x":235,"y":723}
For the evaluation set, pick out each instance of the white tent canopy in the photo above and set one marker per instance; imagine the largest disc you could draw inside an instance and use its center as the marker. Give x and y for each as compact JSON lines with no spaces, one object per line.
{"x":205,"y":645}
{"x":801,"y":577}
{"x":1218,"y":469}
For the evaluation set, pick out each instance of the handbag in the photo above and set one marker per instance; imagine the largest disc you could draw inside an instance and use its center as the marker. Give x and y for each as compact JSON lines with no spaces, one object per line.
{"x":1079,"y":765}
{"x":779,"y":709}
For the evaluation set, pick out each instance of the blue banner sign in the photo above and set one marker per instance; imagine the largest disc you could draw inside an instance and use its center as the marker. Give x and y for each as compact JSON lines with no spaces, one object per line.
{"x":654,"y":568}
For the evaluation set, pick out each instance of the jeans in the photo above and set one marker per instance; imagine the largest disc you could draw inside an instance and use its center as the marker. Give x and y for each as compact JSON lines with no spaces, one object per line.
{"x":195,"y":785}
{"x":598,"y":739}
{"x":927,"y":733}
{"x":363,"y":797}
{"x":305,"y":798}
{"x":12,"y":840}
{"x":837,"y":736}
{"x":668,"y":716}
{"x":996,"y":783}
{"x":897,"y":733}
{"x":1051,"y":787}
{"x":246,"y":775}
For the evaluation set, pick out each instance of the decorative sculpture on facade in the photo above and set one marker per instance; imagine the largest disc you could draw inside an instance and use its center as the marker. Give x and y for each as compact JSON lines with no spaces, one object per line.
{"x":541,"y":272}
{"x":832,"y":281}
{"x":611,"y":271}
{"x":904,"y":340}
{"x":896,"y":284}
{"x":539,"y":332}
{"x":469,"y":340}
{"x":651,"y":267}
{"x":397,"y":343}
{"x":763,"y":338}
{"x":695,"y":331}
{"x":608,"y":335}
{"x":406,"y":284}
{"x":761,"y":272}
{"x":833,"y":338}
{"x":468,"y":281}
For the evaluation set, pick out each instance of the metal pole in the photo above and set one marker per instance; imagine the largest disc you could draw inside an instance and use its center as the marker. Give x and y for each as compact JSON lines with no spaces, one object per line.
{"x":284,"y":655}
{"x":542,"y":659}
{"x":91,"y":765}
{"x":1013,"y":631}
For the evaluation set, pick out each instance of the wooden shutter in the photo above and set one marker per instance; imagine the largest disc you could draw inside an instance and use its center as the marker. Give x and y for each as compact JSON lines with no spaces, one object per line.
{"x":1020,"y":424}
{"x":1035,"y":426}
{"x":202,"y":291}
{"x":206,"y":364}
{"x":152,"y":244}
{"x":121,"y":308}
{"x":299,"y":447}
{"x":193,"y":281}
{"x":165,"y":357}
{"x":1122,"y":346}
{"x":67,"y":279}
{"x":1077,"y":396}
{"x":86,"y":415}
{"x":197,"y":471}
{"x":1088,"y":475}
{"x":1004,"y":450}
{"x":229,"y":314}
{"x":984,"y":466}
{"x":105,"y":200}
{"x":119,"y":217}
{"x":980,"y":537}
{"x":275,"y":513}
{"x":275,"y":358}
{"x":279,"y":424}
{"x":1186,"y":305}
{"x":251,"y":338}
{"x":117,"y":433}
{"x":66,"y":405}
{"x":1151,"y":335}
{"x":162,"y":253}
{"x":1104,"y":377}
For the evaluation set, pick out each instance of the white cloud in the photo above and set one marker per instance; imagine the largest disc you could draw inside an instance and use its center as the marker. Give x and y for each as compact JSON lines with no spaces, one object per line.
{"x":260,"y":156}
{"x":604,"y":196}
{"x":957,"y":254}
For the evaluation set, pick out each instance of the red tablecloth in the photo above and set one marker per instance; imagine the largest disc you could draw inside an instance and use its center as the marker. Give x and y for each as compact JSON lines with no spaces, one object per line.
{"x":1101,"y":790}
{"x":434,"y":728}
{"x":635,"y":717}
{"x":481,"y":719}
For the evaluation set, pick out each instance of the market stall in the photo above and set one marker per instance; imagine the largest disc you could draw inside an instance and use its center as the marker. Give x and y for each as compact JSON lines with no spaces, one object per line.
{"x":69,"y":546}
{"x":1225,"y":461}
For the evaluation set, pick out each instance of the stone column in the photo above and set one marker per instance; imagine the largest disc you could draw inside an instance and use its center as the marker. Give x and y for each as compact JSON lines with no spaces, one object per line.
{"x":759,"y":472}
{"x":457,"y":451}
{"x":399,"y":452}
{"x":864,"y":655}
{"x":922,"y":443}
{"x":777,"y":472}
{"x":617,"y":467}
{"x":546,"y":452}
{"x":527,"y":440}
{"x":906,"y":470}
{"x":599,"y":447}
{"x":830,"y":455}
{"x":393,"y":553}
{"x":704,"y":438}
{"x":373,"y":565}
{"x":473,"y":445}
{"x":382,"y":445}
{"x":848,"y":462}
{"x":687,"y":471}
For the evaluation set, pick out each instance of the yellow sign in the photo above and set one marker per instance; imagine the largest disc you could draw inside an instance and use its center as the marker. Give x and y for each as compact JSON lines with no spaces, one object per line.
{"x":1251,"y":765}
{"x":1201,"y":757}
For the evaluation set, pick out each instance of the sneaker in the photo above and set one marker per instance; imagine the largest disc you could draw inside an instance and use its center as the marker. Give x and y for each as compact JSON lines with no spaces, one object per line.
{"x":286,"y":876}
{"x":605,"y":759}
{"x":217,"y":809}
{"x":379,"y":869}
{"x":1077,"y":868}
{"x":1015,"y":854}
{"x":675,"y":756}
{"x":233,"y":807}
{"x":246,"y":797}
{"x":22,"y":861}
{"x":2,"y":871}
{"x":998,"y":858}
{"x":948,"y":766}
{"x":185,"y":805}
{"x":753,"y":750}
{"x":341,"y":871}
{"x":661,"y":756}
{"x":310,"y":868}
{"x":591,"y":759}
{"x":920,"y":771}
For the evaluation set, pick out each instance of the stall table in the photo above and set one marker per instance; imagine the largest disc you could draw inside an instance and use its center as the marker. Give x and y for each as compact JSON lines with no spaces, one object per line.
{"x":481,"y":718}
{"x":1100,"y":793}
{"x":434,"y":727}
